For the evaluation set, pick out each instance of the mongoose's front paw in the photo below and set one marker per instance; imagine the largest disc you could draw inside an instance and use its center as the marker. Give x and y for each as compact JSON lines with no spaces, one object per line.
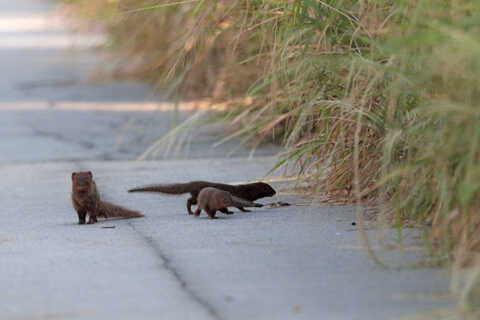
{"x":81,"y":221}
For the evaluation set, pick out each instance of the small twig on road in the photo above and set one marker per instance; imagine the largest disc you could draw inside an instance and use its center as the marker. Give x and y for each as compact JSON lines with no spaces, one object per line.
{"x":277,"y":204}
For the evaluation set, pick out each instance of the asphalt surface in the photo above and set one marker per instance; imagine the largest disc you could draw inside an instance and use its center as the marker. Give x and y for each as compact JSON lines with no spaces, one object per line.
{"x":296,"y":262}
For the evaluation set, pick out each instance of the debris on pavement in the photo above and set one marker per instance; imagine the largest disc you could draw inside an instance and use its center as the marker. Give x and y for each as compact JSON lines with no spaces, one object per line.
{"x":278,"y":204}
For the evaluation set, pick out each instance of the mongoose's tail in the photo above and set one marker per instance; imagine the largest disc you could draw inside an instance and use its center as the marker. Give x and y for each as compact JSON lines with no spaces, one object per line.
{"x":239,"y":202}
{"x":110,"y":210}
{"x":175,"y":188}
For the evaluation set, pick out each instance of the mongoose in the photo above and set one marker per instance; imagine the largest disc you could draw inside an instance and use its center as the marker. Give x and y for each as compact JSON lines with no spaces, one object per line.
{"x":250,"y":191}
{"x":86,"y":199}
{"x":212,"y":199}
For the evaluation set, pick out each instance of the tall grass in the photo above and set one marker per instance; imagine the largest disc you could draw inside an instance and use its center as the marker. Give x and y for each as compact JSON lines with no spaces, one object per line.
{"x":372,"y":99}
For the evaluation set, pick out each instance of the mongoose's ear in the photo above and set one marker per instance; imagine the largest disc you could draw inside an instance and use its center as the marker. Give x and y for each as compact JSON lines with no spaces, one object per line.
{"x":73,"y":175}
{"x":90,"y":173}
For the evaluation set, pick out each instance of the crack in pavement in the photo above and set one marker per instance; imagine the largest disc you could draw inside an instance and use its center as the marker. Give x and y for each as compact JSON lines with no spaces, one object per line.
{"x":59,"y":137}
{"x":167,"y":265}
{"x":46,"y":83}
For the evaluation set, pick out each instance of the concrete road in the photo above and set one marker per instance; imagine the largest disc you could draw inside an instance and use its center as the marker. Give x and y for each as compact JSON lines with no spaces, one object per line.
{"x":296,"y":262}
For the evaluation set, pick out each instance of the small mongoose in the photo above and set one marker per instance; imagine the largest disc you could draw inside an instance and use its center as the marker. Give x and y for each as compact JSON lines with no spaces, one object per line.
{"x":86,"y":199}
{"x":212,"y":199}
{"x":250,"y":191}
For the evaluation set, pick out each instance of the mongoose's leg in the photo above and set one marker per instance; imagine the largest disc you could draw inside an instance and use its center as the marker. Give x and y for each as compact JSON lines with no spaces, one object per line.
{"x":92,"y":218}
{"x":243,"y":209}
{"x":197,"y":212}
{"x":225,"y":210}
{"x":81,"y":217}
{"x":191,"y":201}
{"x":211,"y":213}
{"x":95,"y":213}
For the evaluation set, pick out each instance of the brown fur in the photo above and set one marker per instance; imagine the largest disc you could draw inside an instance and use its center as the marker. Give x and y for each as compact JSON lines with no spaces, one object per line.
{"x":212,"y":199}
{"x":86,"y":200}
{"x":250,"y":191}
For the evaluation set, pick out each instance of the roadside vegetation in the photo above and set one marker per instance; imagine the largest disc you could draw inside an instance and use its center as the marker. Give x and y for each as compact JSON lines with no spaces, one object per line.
{"x":372,"y":100}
